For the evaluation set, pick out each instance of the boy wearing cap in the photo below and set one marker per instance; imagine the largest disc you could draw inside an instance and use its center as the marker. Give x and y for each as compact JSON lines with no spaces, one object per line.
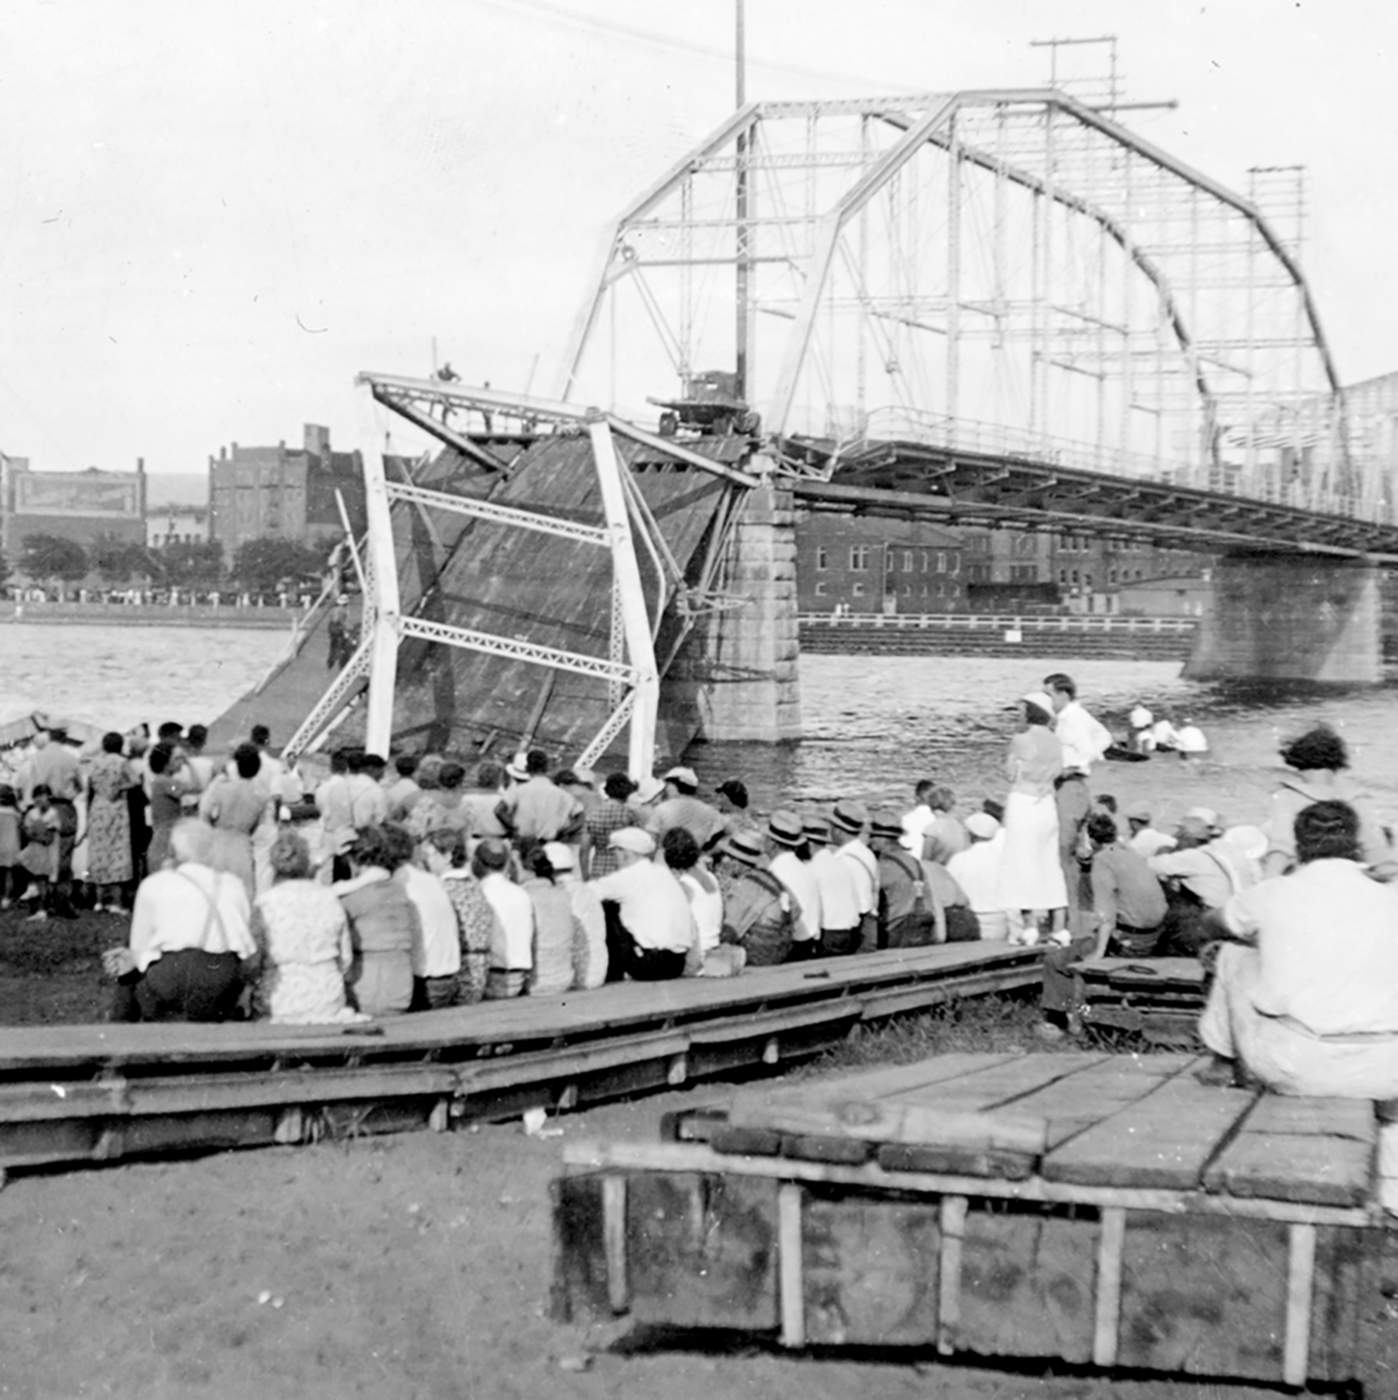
{"x":758,"y":911}
{"x":589,"y":920}
{"x":909,"y":915}
{"x":649,"y":927}
{"x":681,"y":808}
{"x":790,"y":861}
{"x":1200,"y":876}
{"x":1145,"y":840}
{"x":977,"y":871}
{"x":839,"y":885}
{"x":848,"y":822}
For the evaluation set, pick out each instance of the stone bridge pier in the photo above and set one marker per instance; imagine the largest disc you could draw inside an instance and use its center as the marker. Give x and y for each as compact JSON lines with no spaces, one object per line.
{"x":1289,"y":617}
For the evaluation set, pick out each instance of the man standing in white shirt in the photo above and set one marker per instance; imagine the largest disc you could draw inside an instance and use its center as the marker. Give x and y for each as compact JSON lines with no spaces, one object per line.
{"x":1084,"y":741}
{"x":848,"y":823}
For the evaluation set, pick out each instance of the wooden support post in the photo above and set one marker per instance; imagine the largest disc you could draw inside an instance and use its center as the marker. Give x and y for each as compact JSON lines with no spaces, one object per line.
{"x":568,"y":1096}
{"x":771,"y":1051}
{"x":1300,"y":1279}
{"x":439,"y":1120}
{"x":1109,"y":1250}
{"x":789,"y":1261}
{"x":949,"y":1273}
{"x":291,"y":1126}
{"x":678,"y":1071}
{"x":614,"y":1241}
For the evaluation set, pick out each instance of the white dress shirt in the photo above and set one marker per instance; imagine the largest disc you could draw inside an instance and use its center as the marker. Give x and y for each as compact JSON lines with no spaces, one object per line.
{"x":1083,"y":738}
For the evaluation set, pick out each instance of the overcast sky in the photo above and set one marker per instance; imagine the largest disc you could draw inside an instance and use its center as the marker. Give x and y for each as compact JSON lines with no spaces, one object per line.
{"x":214,"y":214}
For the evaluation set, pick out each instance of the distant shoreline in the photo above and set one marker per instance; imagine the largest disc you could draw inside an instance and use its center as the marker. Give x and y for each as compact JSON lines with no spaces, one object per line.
{"x":149,"y":615}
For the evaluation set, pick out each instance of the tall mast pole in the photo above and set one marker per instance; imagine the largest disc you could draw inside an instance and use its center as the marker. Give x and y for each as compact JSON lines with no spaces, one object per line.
{"x":741,"y":208}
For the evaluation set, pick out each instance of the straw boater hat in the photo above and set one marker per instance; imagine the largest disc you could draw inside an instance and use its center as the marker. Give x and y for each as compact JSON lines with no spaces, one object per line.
{"x":1039,"y":700}
{"x":633,"y":839}
{"x":680,"y":774}
{"x":849,"y":816}
{"x":786,"y":828}
{"x":817,"y":830}
{"x":745,"y":846}
{"x":886,"y":825}
{"x":516,"y":768}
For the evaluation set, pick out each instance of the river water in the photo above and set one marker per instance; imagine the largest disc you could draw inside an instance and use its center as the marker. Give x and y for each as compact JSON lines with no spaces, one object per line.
{"x":873,"y":725}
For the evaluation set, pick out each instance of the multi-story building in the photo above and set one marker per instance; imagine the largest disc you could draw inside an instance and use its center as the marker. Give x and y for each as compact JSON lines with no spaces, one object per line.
{"x":72,"y":505}
{"x":291,"y":492}
{"x":167,"y":525}
{"x":865,"y":565}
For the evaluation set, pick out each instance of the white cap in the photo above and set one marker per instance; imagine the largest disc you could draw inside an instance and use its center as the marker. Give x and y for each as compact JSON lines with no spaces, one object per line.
{"x":685,"y":775}
{"x":648,"y":789}
{"x":982,"y":824}
{"x":560,"y":856}
{"x":632,"y":838}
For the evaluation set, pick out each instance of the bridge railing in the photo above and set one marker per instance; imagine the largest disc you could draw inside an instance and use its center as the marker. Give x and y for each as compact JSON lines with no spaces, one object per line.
{"x":1080,"y":623}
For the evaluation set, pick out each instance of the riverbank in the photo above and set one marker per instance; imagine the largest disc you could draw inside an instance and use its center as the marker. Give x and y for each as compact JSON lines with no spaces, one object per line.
{"x":202,"y":615}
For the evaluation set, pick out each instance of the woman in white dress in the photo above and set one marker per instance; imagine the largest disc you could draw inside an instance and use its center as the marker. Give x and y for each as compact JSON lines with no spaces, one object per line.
{"x":1031,"y":876}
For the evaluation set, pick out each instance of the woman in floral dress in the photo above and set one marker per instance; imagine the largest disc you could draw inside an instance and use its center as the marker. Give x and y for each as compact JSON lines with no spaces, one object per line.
{"x":304,"y":937}
{"x":445,"y":853}
{"x":109,"y":865}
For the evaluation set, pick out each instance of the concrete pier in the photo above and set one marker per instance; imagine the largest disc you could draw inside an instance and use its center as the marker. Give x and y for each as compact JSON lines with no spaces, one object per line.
{"x":751,"y":688}
{"x":1291,"y":618}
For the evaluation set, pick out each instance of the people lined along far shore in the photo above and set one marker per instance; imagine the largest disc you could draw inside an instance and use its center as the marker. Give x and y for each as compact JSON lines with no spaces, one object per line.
{"x":425,"y":882}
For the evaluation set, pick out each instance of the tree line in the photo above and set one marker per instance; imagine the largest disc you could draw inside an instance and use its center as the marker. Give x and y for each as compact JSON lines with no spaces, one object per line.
{"x":258,"y":566}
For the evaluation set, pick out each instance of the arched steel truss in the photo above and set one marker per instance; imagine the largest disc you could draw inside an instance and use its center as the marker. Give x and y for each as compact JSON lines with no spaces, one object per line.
{"x":1004,"y":272}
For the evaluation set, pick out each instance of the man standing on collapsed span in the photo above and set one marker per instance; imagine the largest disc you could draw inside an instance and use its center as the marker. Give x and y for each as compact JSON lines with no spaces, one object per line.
{"x":1084,"y":741}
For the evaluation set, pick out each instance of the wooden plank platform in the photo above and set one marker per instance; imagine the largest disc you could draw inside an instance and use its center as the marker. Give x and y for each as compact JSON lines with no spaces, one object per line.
{"x":1103,"y":1209}
{"x":97,"y":1092}
{"x":1142,"y":1001}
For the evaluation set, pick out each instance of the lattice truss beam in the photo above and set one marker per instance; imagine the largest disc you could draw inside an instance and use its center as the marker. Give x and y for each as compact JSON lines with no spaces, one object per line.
{"x":1000,"y":271}
{"x":630,"y":670}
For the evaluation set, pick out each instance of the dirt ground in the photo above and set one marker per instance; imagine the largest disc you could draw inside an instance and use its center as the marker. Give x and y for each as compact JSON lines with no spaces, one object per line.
{"x":412,"y":1266}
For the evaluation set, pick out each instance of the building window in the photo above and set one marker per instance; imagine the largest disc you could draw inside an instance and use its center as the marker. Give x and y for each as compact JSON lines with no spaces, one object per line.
{"x":956,"y":563}
{"x":820,"y":589}
{"x":822,"y":559}
{"x":924,"y":561}
{"x":907,"y":590}
{"x":859,"y":557}
{"x":907,"y":561}
{"x":924,"y":590}
{"x":941,"y":561}
{"x":858,"y":590}
{"x":888,"y":559}
{"x":1075,"y":577}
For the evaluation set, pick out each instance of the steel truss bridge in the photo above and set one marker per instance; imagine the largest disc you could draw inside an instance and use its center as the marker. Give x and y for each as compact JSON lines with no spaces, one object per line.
{"x":994,"y":299}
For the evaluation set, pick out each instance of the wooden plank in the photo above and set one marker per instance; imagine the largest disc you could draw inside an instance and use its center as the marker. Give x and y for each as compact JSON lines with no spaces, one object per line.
{"x":1300,"y":1149}
{"x":1127,"y":971}
{"x":898,"y":1080}
{"x":1203,"y":1295}
{"x":1107,"y":1312}
{"x":614,"y":1240}
{"x":790,"y":1248}
{"x":870,"y":1272}
{"x":1300,"y":1278}
{"x":953,"y":1229}
{"x":702,"y":1250}
{"x":680,"y":1156}
{"x":1165,"y":1139}
{"x":1345,"y":1288}
{"x":998,"y":1086}
{"x":1026,"y":1282}
{"x":811,"y":1110}
{"x":1100,"y":1090}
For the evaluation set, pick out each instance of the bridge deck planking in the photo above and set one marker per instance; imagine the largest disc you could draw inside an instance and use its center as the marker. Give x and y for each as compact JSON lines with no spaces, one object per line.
{"x":493,"y":1024}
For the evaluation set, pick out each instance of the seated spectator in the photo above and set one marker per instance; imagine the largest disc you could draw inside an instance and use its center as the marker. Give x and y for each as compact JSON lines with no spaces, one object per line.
{"x":190,"y":942}
{"x":789,"y":859}
{"x":759,"y":913}
{"x":651,"y":930}
{"x":304,"y":936}
{"x":708,"y":957}
{"x":403,"y":792}
{"x":731,"y":799}
{"x":444,"y":807}
{"x":445,"y":855}
{"x":512,"y":952}
{"x":1145,"y":840}
{"x":481,"y":801}
{"x":977,"y":871}
{"x":839,"y":884}
{"x":383,"y":926}
{"x":945,"y":835}
{"x":1318,"y":760}
{"x":1200,"y":876}
{"x":589,"y":920}
{"x":437,"y":946}
{"x":1310,"y":1005}
{"x":916,"y":821}
{"x":552,"y":969}
{"x":909,"y":916}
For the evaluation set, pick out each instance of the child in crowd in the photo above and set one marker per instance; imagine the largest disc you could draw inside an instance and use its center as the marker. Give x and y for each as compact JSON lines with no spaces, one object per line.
{"x":39,"y":854}
{"x":9,"y":846}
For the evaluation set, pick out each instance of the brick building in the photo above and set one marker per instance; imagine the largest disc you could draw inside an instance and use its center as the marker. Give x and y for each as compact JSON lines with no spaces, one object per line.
{"x":72,"y":505}
{"x":258,"y":491}
{"x":867,"y":565}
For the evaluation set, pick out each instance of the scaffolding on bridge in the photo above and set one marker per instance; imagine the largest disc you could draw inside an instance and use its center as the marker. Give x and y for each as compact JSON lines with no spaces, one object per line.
{"x":1003,"y":271}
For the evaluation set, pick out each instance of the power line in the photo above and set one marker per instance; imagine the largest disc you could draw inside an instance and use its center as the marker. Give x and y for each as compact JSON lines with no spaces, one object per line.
{"x":667,"y":41}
